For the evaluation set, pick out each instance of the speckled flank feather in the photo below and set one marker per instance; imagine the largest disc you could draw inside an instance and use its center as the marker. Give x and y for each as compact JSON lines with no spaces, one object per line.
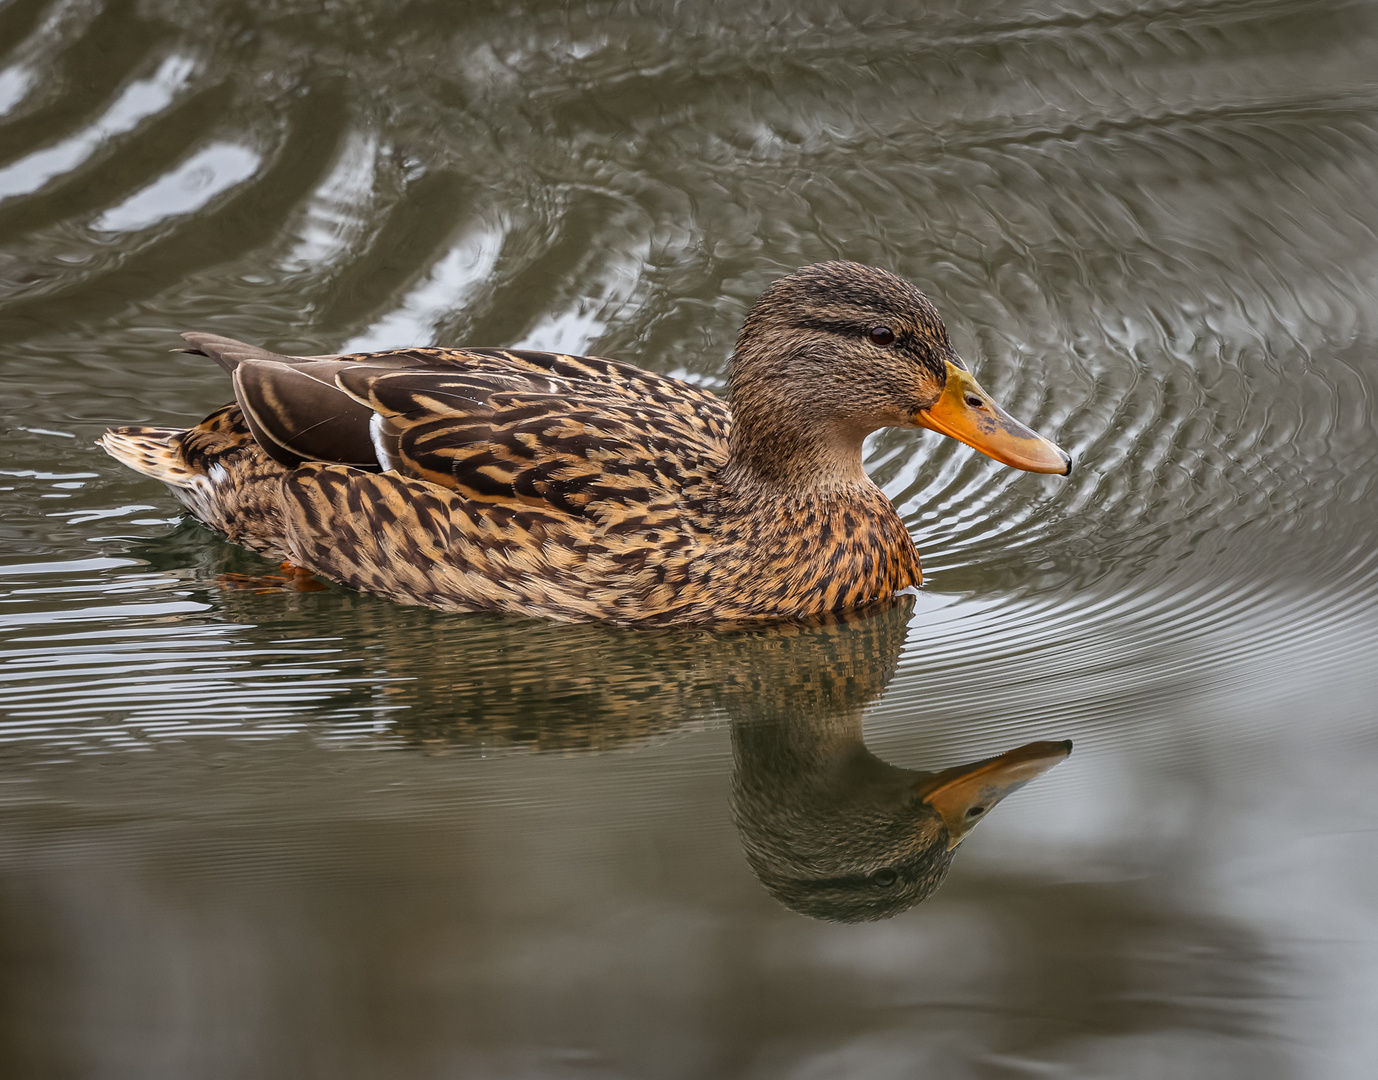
{"x":419,"y":543}
{"x":542,"y":484}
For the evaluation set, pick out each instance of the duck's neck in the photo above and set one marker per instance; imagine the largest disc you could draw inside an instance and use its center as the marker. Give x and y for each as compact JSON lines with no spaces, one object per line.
{"x":793,"y":459}
{"x":782,"y":442}
{"x":818,"y":757}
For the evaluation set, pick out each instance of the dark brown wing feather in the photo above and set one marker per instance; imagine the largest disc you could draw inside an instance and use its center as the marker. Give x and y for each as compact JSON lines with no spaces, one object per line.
{"x":298,"y":413}
{"x":514,"y":427}
{"x":570,"y":452}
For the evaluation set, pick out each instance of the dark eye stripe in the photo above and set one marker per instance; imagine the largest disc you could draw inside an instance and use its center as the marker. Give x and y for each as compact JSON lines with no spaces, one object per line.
{"x":915,"y":349}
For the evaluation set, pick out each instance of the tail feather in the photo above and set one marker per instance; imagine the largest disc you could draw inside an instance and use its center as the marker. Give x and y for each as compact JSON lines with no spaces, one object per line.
{"x":153,"y":451}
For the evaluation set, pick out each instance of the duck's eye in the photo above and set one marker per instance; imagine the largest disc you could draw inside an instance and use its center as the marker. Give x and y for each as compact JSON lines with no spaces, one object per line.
{"x":885,"y":877}
{"x":882,"y":335}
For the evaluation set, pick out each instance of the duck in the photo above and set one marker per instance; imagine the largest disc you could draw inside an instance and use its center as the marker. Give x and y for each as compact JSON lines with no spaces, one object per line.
{"x":585,"y":489}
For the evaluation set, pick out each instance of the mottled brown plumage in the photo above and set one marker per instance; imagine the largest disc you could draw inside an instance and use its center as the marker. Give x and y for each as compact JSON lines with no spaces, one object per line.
{"x":580,"y":488}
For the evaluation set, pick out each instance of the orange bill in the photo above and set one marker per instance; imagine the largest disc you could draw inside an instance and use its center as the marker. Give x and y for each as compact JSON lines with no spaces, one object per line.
{"x":964,"y":795}
{"x":968,"y":414}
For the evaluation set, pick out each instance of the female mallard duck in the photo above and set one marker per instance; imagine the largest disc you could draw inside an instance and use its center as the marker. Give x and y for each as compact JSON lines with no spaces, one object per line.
{"x":584,"y":489}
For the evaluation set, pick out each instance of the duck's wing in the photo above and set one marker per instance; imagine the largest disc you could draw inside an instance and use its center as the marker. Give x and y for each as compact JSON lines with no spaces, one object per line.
{"x":568,"y":448}
{"x":569,"y":433}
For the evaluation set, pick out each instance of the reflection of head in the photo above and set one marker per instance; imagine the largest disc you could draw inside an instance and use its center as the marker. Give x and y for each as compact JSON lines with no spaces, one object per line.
{"x":835,"y":833}
{"x":830,"y":830}
{"x":840,"y":862}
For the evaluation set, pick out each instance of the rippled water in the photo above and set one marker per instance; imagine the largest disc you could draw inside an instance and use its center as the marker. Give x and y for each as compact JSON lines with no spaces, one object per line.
{"x":310,"y":834}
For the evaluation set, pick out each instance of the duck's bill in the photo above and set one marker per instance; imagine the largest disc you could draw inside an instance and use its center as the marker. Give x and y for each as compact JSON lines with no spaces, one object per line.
{"x":968,"y":414}
{"x":964,"y":795}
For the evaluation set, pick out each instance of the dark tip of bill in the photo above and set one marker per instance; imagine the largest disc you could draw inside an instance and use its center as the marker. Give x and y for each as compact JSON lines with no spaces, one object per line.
{"x":1068,"y":470}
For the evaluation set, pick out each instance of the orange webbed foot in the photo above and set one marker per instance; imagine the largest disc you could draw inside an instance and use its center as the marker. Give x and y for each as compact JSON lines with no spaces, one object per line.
{"x":292,"y":579}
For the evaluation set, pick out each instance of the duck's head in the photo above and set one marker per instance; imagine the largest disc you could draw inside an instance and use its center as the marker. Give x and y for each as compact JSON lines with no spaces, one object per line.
{"x":838,"y":350}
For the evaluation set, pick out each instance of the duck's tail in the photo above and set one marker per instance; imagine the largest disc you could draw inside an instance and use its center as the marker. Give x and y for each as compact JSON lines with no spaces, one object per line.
{"x":153,"y":451}
{"x":162,"y":453}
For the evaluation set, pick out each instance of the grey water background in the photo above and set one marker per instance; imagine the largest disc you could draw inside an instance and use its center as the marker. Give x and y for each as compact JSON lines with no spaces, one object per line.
{"x":314,"y":834}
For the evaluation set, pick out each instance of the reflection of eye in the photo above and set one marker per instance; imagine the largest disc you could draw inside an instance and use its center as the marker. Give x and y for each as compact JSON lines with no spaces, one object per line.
{"x":885,"y":877}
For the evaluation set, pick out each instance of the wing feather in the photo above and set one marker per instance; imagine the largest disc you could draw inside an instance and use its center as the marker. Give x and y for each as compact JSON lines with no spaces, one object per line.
{"x":576,"y":435}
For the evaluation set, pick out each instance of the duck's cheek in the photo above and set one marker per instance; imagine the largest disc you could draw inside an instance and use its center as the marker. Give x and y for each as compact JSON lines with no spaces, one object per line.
{"x":900,"y":416}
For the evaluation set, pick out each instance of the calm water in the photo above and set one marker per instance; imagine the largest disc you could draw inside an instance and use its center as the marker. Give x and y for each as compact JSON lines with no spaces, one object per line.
{"x":317,"y":835}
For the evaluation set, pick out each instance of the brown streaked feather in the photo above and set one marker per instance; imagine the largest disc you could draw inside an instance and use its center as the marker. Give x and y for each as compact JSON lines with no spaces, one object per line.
{"x":569,"y":451}
{"x":526,"y":482}
{"x":153,"y":451}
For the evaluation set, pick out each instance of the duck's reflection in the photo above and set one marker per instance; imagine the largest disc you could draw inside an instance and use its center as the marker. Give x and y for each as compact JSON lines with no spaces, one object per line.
{"x":830,"y":830}
{"x":834,"y":832}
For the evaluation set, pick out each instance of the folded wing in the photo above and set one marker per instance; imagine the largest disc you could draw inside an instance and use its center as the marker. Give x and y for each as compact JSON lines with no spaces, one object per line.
{"x":570,"y":434}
